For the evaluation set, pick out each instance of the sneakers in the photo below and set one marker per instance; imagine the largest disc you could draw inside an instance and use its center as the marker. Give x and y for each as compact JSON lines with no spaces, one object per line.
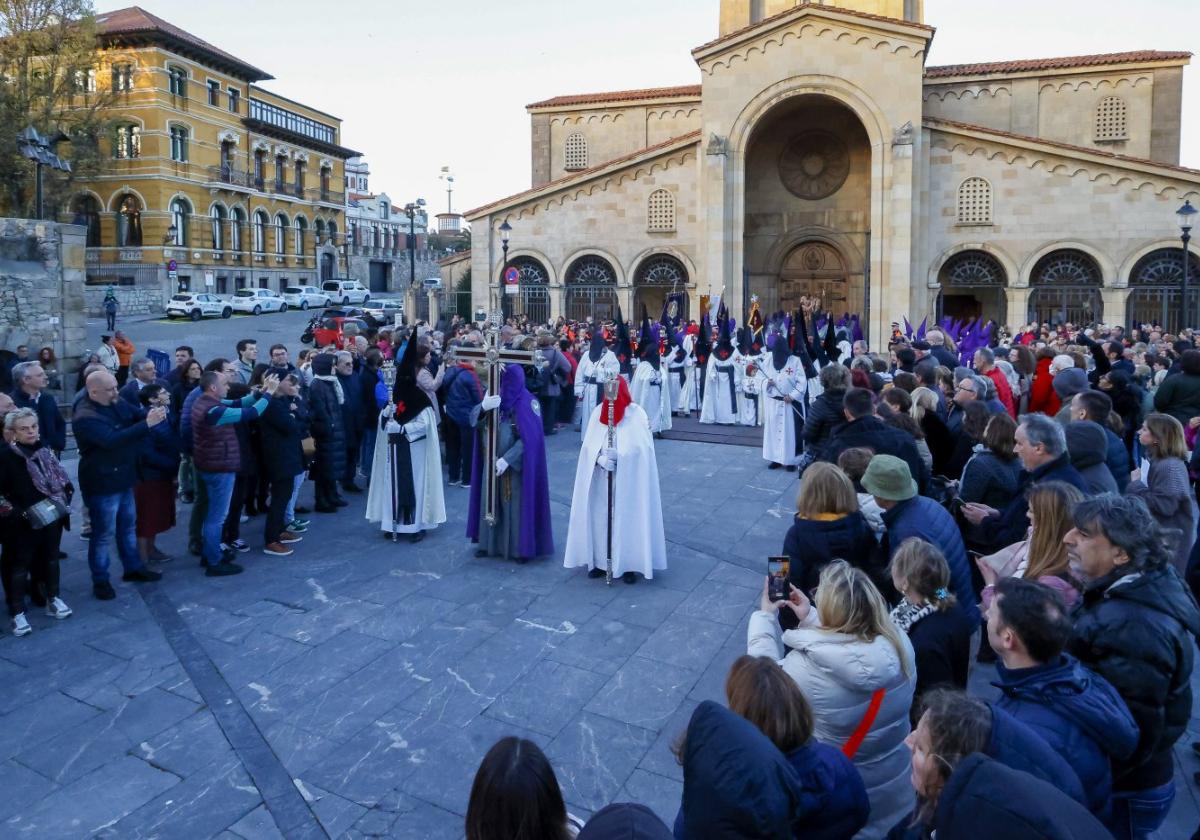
{"x":20,"y":627}
{"x":240,"y":546}
{"x":223,"y":569}
{"x":276,"y":549}
{"x":58,"y":609}
{"x":103,"y":591}
{"x":298,"y":526}
{"x":287,"y":537}
{"x":141,"y":576}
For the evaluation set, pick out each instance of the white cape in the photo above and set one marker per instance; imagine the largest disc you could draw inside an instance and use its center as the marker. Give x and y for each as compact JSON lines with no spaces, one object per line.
{"x":603,"y":370}
{"x":427,"y":479}
{"x":639,"y":544}
{"x":779,"y":425}
{"x":654,"y":398}
{"x":719,"y":406}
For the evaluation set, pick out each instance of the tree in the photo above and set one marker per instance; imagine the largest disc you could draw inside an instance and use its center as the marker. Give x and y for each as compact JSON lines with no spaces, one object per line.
{"x":48,"y":79}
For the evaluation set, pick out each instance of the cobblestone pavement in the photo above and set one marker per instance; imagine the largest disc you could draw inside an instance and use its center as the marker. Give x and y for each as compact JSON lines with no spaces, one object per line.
{"x":351,"y":689}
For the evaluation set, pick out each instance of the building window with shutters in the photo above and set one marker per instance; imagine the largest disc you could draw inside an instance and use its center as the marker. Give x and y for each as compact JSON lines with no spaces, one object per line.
{"x":975,"y":202}
{"x":576,"y":152}
{"x":660,"y":211}
{"x":1112,"y":120}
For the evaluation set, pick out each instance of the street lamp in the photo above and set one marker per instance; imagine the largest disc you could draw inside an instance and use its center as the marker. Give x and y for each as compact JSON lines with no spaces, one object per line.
{"x":1187,"y":217}
{"x":172,"y":232}
{"x":411,"y":210}
{"x":505,"y":233}
{"x":36,"y":147}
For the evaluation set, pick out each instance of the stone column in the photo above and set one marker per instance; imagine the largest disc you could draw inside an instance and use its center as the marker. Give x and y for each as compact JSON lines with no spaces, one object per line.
{"x":891,"y":252}
{"x":625,"y":300}
{"x":1115,"y":304}
{"x":434,"y":306}
{"x":558,"y":301}
{"x":1018,"y":305}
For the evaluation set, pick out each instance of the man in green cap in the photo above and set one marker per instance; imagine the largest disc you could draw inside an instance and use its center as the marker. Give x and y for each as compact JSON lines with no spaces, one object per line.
{"x":906,"y":514}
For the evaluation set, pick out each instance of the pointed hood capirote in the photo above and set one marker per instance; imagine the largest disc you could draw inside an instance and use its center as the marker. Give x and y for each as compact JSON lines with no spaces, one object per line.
{"x":624,"y":348}
{"x":648,"y":343}
{"x":724,"y":348}
{"x":598,"y":344}
{"x":780,"y":349}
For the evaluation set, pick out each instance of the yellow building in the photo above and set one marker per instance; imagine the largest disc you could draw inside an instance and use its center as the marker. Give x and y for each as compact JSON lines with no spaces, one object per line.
{"x":212,"y":183}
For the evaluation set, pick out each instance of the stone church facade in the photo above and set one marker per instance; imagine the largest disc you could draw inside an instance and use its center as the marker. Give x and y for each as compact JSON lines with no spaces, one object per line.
{"x":820,"y":155}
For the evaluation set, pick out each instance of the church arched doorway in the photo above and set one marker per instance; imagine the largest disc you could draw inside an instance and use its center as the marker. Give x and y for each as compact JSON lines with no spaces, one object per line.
{"x":814,"y":270}
{"x":1065,"y":288}
{"x":656,"y":277}
{"x":591,"y":289}
{"x":972,"y":286}
{"x":1156,"y":289}
{"x":807,"y":206}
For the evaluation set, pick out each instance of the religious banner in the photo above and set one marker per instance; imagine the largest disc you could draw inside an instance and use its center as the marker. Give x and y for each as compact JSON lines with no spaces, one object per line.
{"x":705,"y":308}
{"x":672,"y":314}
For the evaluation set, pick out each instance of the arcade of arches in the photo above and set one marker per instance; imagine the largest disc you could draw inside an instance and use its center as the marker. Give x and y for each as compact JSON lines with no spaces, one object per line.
{"x":1065,"y":286}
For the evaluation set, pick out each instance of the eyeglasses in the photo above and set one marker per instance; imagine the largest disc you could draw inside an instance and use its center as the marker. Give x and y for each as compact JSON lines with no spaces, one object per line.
{"x":967,"y":390}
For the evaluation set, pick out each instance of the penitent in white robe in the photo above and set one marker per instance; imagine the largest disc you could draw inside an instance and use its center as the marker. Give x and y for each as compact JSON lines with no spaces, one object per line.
{"x":751,"y":390}
{"x":689,"y":395}
{"x":722,"y":391}
{"x":779,"y":424}
{"x":589,"y":383}
{"x":676,"y":373}
{"x":651,"y":391}
{"x":639,"y":543}
{"x":426,"y":473}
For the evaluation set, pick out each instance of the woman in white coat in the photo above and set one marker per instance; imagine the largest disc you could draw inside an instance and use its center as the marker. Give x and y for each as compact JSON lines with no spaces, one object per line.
{"x":857,"y":670}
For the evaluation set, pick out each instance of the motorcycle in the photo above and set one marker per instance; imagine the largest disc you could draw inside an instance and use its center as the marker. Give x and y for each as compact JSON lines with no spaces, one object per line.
{"x":307,"y":336}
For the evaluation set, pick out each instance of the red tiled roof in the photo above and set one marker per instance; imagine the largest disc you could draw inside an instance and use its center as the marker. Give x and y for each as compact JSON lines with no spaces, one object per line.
{"x":774,"y":18}
{"x":135,"y":20}
{"x":1026,"y":65}
{"x":619,"y":96}
{"x":935,"y":122}
{"x":583,"y":175}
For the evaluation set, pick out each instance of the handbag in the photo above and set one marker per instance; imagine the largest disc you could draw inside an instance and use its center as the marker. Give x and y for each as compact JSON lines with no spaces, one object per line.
{"x":309,"y":445}
{"x":44,"y":513}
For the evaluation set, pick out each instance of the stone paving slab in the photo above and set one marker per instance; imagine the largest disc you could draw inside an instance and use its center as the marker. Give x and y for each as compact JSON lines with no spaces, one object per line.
{"x":374,"y":676}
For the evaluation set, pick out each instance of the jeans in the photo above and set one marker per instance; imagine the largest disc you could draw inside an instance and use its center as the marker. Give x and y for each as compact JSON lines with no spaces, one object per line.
{"x":1139,"y":813}
{"x":187,"y":476}
{"x":367,"y":452}
{"x":290,"y":512}
{"x":219,"y":487}
{"x":243,"y":486}
{"x":199,"y":509}
{"x":113,"y":516}
{"x":110,"y":318}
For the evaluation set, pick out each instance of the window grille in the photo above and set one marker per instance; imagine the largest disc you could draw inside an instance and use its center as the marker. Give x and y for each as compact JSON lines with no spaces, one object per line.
{"x":576,"y":152}
{"x":1112,"y":120}
{"x":660,"y":211}
{"x":975,"y":202}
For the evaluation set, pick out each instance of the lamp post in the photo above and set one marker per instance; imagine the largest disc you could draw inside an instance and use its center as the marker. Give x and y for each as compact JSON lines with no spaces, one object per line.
{"x":411,"y":209}
{"x":505,"y":233}
{"x":1187,"y":217}
{"x":37,"y":148}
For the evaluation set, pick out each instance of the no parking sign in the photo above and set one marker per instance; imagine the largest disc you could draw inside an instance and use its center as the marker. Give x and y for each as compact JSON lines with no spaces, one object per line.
{"x":512,"y":281}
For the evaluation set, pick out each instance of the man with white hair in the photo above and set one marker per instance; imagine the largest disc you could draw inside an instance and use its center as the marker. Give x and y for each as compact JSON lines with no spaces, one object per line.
{"x":29,"y":391}
{"x":936,"y":340}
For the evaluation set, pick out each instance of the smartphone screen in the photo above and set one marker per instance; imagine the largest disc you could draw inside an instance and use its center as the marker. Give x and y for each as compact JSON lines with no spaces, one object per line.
{"x":778,"y":569}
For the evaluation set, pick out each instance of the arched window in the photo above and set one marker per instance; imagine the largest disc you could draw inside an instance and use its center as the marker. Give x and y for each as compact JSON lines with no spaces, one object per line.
{"x":534,"y":298}
{"x":1156,"y":284}
{"x":260,"y":231}
{"x":975,"y":202}
{"x":237,"y":221}
{"x":1112,"y":120}
{"x":179,"y":143}
{"x":972,"y":286}
{"x":87,"y":212}
{"x":180,"y":214}
{"x":1066,"y":288}
{"x":129,"y":222}
{"x":281,"y":226}
{"x":657,"y":277}
{"x":319,"y":231}
{"x":576,"y":153}
{"x":660,"y":211}
{"x":591,"y":289}
{"x":591,"y":270}
{"x":333,"y":233}
{"x":127,"y":142}
{"x":217,"y":220}
{"x":301,"y":230}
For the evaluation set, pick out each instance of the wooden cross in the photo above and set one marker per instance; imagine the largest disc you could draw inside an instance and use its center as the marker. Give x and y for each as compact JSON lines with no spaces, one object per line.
{"x":494,"y":357}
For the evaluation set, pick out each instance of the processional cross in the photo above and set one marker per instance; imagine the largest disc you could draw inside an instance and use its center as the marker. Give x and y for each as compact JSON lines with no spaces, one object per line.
{"x":494,"y":356}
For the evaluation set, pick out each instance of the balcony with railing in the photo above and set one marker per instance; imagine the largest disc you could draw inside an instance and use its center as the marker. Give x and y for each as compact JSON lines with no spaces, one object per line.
{"x":232,"y":176}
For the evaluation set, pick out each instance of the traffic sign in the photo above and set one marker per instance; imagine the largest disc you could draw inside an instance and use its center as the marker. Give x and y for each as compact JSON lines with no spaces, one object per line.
{"x":512,"y":281}
{"x":172,"y":265}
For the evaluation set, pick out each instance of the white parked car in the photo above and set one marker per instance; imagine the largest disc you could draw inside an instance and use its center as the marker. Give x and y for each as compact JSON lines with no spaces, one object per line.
{"x":197,"y":306}
{"x":257,"y":301}
{"x":384,"y":309}
{"x":302,"y":297}
{"x":346,"y":292}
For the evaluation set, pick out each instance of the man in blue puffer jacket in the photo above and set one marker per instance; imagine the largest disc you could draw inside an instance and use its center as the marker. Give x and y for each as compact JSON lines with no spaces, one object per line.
{"x":1076,"y":711}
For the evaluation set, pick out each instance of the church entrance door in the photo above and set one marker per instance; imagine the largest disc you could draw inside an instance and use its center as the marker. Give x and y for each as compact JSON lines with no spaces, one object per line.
{"x":814,"y":269}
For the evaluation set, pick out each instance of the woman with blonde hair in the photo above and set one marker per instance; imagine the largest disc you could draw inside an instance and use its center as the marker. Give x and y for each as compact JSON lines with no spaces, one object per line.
{"x":937,"y":627}
{"x":828,"y":526}
{"x":1042,"y":556}
{"x":941,"y":443}
{"x":1165,"y":488}
{"x":856,"y":668}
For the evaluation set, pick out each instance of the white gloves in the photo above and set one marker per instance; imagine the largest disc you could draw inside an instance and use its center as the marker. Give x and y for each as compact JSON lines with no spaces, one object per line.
{"x":501,"y":466}
{"x":607,"y":460}
{"x":490,"y":402}
{"x":393,"y":428}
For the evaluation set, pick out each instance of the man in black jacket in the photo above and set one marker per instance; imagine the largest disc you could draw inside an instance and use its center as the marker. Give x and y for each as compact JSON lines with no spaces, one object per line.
{"x":1135,"y":626}
{"x":283,"y":460}
{"x":29,"y":391}
{"x":108,"y":431}
{"x":353,"y":415}
{"x":864,"y":429}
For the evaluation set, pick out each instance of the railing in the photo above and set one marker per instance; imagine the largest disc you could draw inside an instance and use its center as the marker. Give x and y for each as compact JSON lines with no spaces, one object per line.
{"x":236,"y":177}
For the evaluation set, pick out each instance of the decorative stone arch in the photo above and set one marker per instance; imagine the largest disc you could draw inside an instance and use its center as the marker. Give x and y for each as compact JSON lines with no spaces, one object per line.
{"x":552,"y":276}
{"x":1126,"y":269}
{"x":785,"y":245}
{"x":996,"y":301}
{"x":81,"y":192}
{"x":218,"y":203}
{"x":689,"y":265}
{"x":129,"y":119}
{"x":227,"y":135}
{"x":622,"y":281}
{"x":120,"y":192}
{"x":1108,"y":271}
{"x":260,"y":145}
{"x":651,"y":294}
{"x":1011,"y":269}
{"x":1076,"y":299}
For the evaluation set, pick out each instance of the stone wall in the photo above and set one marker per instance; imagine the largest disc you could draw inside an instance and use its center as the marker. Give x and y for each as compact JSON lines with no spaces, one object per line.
{"x":134,"y":300}
{"x":42,"y":288}
{"x":426,"y":265}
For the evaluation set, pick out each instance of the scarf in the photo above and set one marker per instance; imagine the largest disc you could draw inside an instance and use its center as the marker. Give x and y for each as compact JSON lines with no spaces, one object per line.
{"x":47,"y":474}
{"x":906,"y":614}
{"x":337,"y":385}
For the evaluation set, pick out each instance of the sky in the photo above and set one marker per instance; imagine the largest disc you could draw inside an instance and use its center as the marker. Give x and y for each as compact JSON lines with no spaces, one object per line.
{"x":419,"y":87}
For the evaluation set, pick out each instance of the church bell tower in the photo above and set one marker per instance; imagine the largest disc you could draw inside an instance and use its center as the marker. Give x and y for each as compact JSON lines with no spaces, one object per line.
{"x":737,"y":14}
